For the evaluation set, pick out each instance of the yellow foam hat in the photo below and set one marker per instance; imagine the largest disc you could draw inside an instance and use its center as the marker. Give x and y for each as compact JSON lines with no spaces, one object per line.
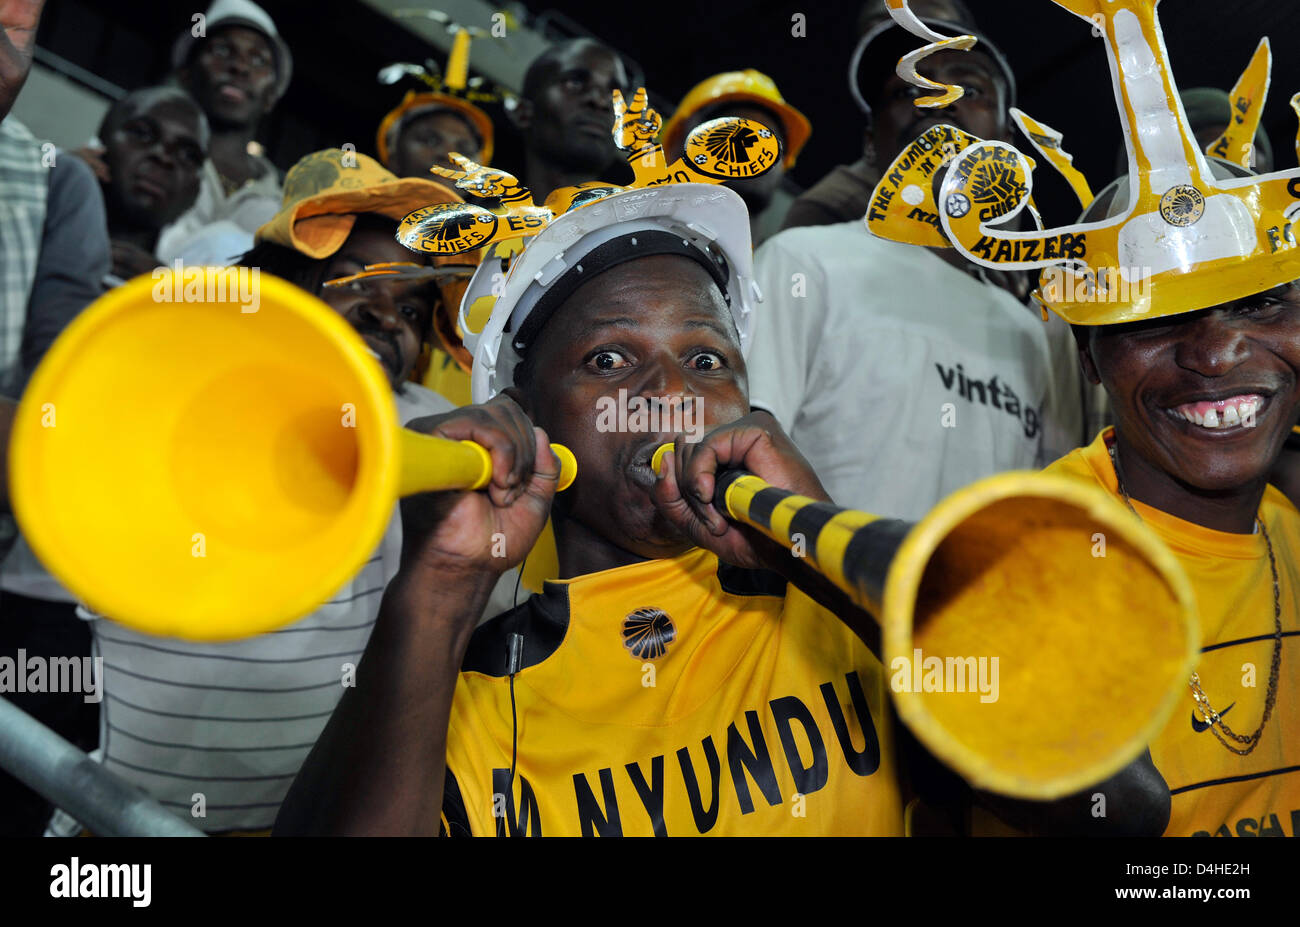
{"x":748,"y":86}
{"x":1187,"y":239}
{"x":323,"y":195}
{"x":326,"y":191}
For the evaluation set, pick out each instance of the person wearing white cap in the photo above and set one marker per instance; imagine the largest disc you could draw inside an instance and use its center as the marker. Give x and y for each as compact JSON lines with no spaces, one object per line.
{"x":237,"y":68}
{"x":941,"y":362}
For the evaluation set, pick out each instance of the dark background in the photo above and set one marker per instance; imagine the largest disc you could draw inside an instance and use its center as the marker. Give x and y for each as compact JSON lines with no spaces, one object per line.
{"x":339,"y":45}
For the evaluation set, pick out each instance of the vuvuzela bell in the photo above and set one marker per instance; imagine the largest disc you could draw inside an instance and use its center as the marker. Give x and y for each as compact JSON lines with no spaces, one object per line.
{"x":195,"y":469}
{"x":1089,"y":617}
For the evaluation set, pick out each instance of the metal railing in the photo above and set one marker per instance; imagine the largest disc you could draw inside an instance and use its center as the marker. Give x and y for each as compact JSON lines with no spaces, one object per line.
{"x":102,"y":801}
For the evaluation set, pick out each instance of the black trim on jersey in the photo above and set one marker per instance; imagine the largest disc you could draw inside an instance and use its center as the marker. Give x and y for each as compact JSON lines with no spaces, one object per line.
{"x":736,"y":580}
{"x":542,"y":621}
{"x":453,"y":809}
{"x":1230,"y":779}
{"x":1248,"y":640}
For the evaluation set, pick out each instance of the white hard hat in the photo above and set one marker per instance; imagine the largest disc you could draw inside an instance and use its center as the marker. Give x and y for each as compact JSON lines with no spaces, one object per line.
{"x":707,"y":223}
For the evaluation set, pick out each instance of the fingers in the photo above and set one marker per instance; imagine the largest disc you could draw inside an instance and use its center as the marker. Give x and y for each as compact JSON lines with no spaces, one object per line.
{"x":464,"y":163}
{"x":510,"y":474}
{"x":675,"y":505}
{"x":620,"y":107}
{"x":545,"y":478}
{"x":639,"y":100}
{"x":755,"y":443}
{"x":694,"y":468}
{"x":503,"y":428}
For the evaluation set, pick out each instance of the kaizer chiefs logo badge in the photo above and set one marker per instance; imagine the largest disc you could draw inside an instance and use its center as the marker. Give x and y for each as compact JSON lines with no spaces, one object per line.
{"x":1182,"y":205}
{"x":448,"y":228}
{"x":997,"y":187}
{"x":730,"y":148}
{"x":647,"y":632}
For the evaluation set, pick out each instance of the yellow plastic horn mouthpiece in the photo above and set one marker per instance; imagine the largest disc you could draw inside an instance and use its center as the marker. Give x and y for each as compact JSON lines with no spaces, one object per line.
{"x":658,"y":457}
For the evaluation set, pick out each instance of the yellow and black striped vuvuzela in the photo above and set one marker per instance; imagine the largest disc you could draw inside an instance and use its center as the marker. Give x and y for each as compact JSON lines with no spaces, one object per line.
{"x":1089,"y":618}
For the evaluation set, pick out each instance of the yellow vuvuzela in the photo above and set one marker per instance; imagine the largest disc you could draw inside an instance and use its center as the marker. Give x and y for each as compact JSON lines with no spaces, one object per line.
{"x":210,"y":470}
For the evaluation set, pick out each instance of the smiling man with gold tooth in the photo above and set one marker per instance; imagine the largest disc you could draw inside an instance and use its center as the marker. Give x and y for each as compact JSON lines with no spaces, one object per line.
{"x":1202,"y":368}
{"x":1203,"y":403}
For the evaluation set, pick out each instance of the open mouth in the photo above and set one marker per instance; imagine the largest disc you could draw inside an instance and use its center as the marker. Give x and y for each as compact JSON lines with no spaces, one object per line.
{"x":638,"y":467}
{"x":232,"y":93}
{"x":1226,"y":414}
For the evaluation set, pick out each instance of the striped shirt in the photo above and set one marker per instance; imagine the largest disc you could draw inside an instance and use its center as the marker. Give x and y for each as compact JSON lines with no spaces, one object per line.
{"x":24,"y":185}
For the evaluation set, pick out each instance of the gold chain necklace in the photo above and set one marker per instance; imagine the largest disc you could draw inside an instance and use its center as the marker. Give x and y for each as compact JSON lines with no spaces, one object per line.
{"x":1208,"y":715}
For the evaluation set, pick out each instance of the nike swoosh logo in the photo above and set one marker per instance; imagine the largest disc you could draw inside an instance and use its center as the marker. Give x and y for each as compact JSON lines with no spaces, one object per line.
{"x":1199,"y":726}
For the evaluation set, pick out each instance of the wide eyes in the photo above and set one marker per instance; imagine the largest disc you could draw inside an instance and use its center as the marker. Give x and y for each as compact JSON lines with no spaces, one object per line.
{"x":607,"y":360}
{"x":707,"y":360}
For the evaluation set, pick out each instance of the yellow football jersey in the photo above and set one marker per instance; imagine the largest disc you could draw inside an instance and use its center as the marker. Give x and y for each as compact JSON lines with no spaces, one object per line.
{"x":671,"y":697}
{"x":447,"y":378}
{"x":1216,"y":791}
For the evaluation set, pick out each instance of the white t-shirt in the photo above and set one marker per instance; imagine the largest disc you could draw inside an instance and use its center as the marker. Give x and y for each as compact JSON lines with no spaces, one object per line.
{"x":219,"y":227}
{"x":900,"y":377}
{"x":233,"y":722}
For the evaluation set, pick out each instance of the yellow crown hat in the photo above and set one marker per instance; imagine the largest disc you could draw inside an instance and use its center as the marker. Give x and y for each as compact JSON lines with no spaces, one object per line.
{"x":1187,"y":240}
{"x":669,"y":208}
